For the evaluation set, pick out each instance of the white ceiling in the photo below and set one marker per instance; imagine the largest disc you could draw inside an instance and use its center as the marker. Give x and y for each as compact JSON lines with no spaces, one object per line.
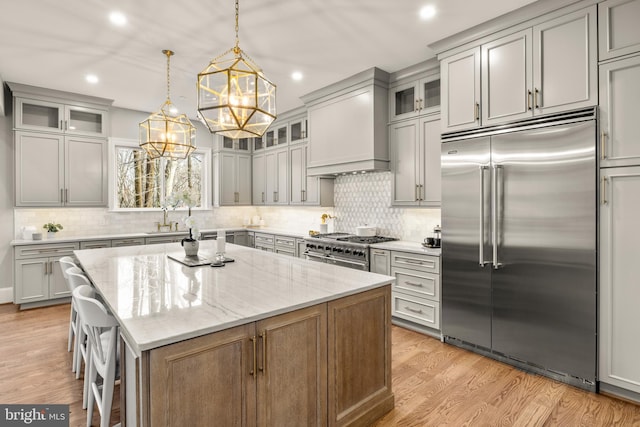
{"x":54,"y":43}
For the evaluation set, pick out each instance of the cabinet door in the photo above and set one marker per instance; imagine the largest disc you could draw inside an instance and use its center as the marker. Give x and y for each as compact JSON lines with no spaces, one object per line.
{"x":298,"y":130}
{"x":565,"y":62}
{"x":32,"y":280}
{"x":460,"y":81}
{"x":281,"y":177}
{"x":86,"y":172}
{"x":259,"y":175}
{"x":243,"y":179}
{"x":292,"y":385}
{"x":85,"y":121}
{"x":404,"y":101}
{"x":224,"y":391}
{"x":301,"y":246}
{"x":619,"y":272}
{"x":506,"y":78}
{"x":380,"y":262}
{"x":298,"y":174}
{"x":617,"y":28}
{"x":271,"y":177}
{"x":38,"y":115}
{"x":619,"y":96}
{"x":58,"y":287}
{"x":39,"y":169}
{"x":430,"y":149}
{"x":228,"y":184}
{"x":405,"y":162}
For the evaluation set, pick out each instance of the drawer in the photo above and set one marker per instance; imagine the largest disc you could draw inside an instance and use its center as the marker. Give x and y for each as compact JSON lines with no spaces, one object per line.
{"x":428,"y":263}
{"x":264,"y":239}
{"x":53,"y":249}
{"x":415,"y":310}
{"x":285,"y":242}
{"x":164,"y":239}
{"x":416,"y":283}
{"x":95,"y":244}
{"x":127,"y":242}
{"x":289,"y":252}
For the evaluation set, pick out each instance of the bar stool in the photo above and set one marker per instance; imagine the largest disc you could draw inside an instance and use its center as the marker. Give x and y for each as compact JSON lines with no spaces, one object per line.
{"x":75,"y":278}
{"x":101,"y":329}
{"x":66,"y":263}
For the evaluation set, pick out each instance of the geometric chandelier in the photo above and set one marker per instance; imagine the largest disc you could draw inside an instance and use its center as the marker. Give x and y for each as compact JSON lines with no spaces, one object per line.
{"x":235,"y":99}
{"x":165,"y":133}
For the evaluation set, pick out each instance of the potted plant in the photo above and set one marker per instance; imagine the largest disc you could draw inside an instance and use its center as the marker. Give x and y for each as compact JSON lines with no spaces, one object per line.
{"x":52,"y":229}
{"x":190,"y":244}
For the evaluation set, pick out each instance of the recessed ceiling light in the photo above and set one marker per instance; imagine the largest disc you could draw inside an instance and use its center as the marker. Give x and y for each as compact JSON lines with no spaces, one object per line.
{"x":92,"y":78}
{"x":296,"y":75}
{"x":427,"y":12}
{"x":117,"y":18}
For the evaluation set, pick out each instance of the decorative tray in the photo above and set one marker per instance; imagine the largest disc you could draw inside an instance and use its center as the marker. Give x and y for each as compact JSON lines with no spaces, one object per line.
{"x":191,"y":261}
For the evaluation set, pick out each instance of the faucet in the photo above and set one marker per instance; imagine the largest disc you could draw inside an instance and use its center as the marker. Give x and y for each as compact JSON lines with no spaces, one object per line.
{"x":169,"y":226}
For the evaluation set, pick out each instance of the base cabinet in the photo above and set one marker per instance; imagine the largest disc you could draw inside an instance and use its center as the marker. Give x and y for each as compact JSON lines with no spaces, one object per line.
{"x":38,"y":275}
{"x":619,"y":272}
{"x":325,"y":365}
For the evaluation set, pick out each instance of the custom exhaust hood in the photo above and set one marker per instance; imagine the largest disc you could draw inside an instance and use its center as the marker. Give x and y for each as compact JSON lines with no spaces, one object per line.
{"x":348,"y":125}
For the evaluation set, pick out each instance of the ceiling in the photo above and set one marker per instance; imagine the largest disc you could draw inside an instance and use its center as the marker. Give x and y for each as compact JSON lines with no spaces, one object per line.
{"x":54,"y":44}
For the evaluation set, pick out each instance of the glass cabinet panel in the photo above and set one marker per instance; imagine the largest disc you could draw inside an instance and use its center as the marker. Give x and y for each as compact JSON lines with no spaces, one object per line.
{"x":38,"y":115}
{"x":227,"y":142}
{"x":85,"y":121}
{"x":282,"y":135}
{"x":298,"y":130}
{"x":405,"y":101}
{"x":269,"y":138}
{"x":431,"y":94}
{"x":243,"y":144}
{"x":258,"y":143}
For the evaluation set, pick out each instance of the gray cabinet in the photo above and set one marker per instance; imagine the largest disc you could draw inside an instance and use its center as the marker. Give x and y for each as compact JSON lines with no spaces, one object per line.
{"x":158,"y":240}
{"x":259,"y":172}
{"x":414,"y":98}
{"x":618,"y":28}
{"x":380,"y":261}
{"x":276,"y":182}
{"x":307,"y":190}
{"x":546,"y":68}
{"x":38,"y":277}
{"x":232,"y":179}
{"x":95,"y":244}
{"x":264,"y":242}
{"x":58,"y":170}
{"x":285,"y":245}
{"x":133,"y":241}
{"x":460,"y":81}
{"x":619,"y":95}
{"x":415,"y":162}
{"x":619,"y":292}
{"x":416,"y":294}
{"x":301,"y":247}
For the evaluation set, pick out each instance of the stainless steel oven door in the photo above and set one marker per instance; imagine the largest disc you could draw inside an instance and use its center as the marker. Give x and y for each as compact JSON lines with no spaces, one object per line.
{"x":314,"y":256}
{"x":358,"y":265}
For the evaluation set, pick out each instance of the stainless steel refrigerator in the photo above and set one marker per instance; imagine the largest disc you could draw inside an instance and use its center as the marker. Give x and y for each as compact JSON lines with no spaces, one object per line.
{"x":519,"y":244}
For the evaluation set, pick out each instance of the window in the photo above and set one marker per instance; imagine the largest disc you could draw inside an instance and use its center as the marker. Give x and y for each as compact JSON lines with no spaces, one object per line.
{"x":141,"y":183}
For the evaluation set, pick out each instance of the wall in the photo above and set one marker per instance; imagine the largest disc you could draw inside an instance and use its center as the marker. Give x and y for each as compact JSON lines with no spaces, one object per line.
{"x":6,"y":209}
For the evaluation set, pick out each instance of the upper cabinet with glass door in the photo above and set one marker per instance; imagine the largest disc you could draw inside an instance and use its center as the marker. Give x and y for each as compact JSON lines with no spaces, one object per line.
{"x":38,"y":109}
{"x":415,"y":97}
{"x":242,"y":145}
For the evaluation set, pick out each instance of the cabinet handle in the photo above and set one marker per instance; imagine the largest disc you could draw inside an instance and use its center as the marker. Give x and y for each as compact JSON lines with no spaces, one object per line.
{"x":61,"y":196}
{"x":421,"y":104}
{"x":253,"y":372}
{"x":263,"y":337}
{"x":418,"y":285}
{"x":263,"y":197}
{"x":61,"y":125}
{"x":604,"y":190}
{"x":603,"y":140}
{"x":66,"y":195}
{"x":416,"y":195}
{"x":412,"y":310}
{"x":477,"y":111}
{"x":528,"y":100}
{"x":421,"y":192}
{"x":535,"y":98}
{"x":415,"y":109}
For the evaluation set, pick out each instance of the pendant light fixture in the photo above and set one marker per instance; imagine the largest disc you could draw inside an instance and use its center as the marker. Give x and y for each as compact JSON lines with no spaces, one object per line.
{"x":235,"y":99}
{"x":165,"y":133}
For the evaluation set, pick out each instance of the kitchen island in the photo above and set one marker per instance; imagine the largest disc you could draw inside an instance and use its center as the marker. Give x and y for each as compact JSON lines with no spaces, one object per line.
{"x":265,"y":340}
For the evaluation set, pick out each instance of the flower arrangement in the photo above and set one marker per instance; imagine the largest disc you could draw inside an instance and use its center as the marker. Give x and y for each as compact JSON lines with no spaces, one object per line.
{"x":190,"y":199}
{"x":325,"y":217}
{"x":52,"y":227}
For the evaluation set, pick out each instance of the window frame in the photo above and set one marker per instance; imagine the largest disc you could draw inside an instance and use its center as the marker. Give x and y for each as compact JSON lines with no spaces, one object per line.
{"x":114,"y":143}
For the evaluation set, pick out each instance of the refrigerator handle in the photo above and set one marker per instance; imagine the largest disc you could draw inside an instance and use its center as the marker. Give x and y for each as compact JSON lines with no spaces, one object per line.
{"x":495,"y":213}
{"x":482,"y":217}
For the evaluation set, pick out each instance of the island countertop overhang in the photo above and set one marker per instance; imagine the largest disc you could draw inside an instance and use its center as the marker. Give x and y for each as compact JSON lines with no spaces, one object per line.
{"x":159,"y":301}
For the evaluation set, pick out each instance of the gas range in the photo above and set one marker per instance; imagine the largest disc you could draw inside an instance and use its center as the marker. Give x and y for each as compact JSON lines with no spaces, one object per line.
{"x":343,"y":249}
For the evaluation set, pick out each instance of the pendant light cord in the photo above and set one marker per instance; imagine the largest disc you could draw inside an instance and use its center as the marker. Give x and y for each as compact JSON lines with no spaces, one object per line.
{"x":168,"y":53}
{"x":236,"y":49}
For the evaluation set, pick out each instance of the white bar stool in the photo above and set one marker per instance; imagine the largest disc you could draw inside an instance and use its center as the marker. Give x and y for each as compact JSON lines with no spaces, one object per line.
{"x":101,"y":329}
{"x":66,"y":263}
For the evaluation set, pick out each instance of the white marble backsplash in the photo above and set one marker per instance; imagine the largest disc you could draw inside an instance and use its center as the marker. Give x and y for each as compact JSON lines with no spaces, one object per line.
{"x":359,"y":199}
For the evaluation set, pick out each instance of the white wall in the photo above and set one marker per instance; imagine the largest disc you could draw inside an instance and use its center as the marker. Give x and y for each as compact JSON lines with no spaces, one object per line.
{"x":6,"y":209}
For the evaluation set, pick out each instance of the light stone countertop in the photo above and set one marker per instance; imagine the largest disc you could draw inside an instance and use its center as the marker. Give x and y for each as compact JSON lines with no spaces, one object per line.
{"x":159,"y":301}
{"x":406,"y":246}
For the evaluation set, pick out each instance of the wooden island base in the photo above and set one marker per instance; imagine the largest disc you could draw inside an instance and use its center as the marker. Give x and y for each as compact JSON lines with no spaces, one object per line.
{"x":328,"y":364}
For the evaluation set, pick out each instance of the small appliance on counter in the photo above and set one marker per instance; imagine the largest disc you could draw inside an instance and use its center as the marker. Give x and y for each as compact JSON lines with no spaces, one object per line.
{"x":434,"y":241}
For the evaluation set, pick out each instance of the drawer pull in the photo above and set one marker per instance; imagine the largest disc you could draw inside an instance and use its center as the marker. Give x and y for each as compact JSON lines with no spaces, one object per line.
{"x":413,"y":310}
{"x":419,"y":285}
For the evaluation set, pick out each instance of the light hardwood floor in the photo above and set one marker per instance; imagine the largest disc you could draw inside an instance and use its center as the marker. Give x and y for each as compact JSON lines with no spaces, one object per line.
{"x":435,"y":384}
